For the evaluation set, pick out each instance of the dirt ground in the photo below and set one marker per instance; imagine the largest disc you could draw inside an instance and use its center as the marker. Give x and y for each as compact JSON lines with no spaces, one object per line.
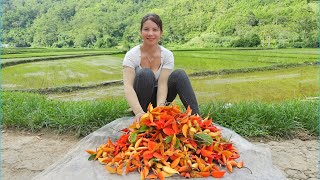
{"x":24,"y":155}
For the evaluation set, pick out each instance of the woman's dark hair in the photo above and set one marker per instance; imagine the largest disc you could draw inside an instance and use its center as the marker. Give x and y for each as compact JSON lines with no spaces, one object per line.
{"x":154,"y":18}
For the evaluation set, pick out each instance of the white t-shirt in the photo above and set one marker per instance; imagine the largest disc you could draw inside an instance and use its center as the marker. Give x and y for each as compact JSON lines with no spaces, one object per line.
{"x":133,"y":59}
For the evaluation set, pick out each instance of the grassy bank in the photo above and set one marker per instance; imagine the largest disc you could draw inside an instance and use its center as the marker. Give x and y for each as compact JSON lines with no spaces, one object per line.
{"x":33,"y":112}
{"x":280,"y":119}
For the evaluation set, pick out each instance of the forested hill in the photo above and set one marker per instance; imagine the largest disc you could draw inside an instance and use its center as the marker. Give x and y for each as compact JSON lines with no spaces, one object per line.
{"x":187,"y":23}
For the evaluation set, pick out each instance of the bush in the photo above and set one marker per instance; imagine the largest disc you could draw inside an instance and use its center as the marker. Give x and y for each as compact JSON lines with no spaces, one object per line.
{"x":249,"y":41}
{"x":281,"y":46}
{"x":22,"y":43}
{"x":311,"y":43}
{"x":297,"y":45}
{"x":209,"y":40}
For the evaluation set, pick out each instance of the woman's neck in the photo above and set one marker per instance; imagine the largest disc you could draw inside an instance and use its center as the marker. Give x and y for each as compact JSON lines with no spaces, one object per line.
{"x":150,"y":49}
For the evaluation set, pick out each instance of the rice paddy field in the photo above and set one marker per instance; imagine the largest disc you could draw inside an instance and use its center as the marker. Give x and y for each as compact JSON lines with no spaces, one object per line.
{"x":70,"y":71}
{"x":298,"y":81}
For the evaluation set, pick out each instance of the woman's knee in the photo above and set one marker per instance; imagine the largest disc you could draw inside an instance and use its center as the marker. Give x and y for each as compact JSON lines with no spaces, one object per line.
{"x":145,"y":74}
{"x":179,"y":74}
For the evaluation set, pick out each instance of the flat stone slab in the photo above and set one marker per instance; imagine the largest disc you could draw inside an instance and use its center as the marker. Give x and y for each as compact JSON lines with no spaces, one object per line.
{"x":75,"y":164}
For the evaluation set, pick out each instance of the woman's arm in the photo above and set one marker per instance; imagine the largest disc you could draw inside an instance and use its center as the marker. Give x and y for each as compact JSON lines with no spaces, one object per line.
{"x":163,"y":86}
{"x":131,"y":95}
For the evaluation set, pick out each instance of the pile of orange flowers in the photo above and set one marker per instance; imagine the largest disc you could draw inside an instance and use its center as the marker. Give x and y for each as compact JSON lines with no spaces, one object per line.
{"x":166,"y":141}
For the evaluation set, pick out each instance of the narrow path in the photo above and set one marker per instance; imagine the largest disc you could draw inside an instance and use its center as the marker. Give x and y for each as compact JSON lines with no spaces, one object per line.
{"x":24,"y":155}
{"x":296,"y":158}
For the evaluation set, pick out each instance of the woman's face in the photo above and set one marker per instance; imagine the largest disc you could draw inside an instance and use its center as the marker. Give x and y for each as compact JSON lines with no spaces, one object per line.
{"x":150,"y":33}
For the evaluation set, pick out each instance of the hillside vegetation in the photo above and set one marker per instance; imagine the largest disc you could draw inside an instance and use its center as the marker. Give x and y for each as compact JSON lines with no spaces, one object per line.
{"x":187,"y":23}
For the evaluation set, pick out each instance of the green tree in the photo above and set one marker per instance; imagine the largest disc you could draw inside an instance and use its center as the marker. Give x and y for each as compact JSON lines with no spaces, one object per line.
{"x":110,"y":23}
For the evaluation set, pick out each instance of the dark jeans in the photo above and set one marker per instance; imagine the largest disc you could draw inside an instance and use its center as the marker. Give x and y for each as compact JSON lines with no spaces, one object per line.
{"x":178,"y":83}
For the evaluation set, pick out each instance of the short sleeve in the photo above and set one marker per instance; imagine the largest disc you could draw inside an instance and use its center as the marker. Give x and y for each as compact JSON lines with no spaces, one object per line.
{"x":129,"y":60}
{"x":168,"y":61}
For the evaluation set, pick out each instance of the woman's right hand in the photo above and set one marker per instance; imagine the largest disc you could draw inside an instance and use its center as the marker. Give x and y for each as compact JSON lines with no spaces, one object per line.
{"x":138,"y":116}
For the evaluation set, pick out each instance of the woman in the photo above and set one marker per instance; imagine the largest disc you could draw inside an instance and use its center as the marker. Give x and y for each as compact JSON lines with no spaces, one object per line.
{"x":148,"y":74}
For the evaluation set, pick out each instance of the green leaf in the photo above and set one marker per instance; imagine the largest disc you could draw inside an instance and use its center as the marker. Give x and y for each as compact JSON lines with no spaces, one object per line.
{"x":155,"y":160}
{"x":91,"y":157}
{"x":177,"y":145}
{"x":143,"y":128}
{"x":133,"y":137}
{"x":204,"y":138}
{"x":168,"y":139}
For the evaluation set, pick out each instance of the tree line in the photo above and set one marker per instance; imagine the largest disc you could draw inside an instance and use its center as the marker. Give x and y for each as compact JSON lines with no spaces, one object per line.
{"x":187,"y":23}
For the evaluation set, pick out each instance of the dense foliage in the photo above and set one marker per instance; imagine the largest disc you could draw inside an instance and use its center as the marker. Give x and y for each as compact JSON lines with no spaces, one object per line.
{"x":188,"y":23}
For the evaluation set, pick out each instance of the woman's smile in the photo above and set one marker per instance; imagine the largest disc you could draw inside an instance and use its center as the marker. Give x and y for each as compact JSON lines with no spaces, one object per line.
{"x":151,"y":32}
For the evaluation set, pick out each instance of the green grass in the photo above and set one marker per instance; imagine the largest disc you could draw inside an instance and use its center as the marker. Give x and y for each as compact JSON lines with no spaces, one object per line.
{"x":33,"y":112}
{"x":281,"y":119}
{"x":249,"y":119}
